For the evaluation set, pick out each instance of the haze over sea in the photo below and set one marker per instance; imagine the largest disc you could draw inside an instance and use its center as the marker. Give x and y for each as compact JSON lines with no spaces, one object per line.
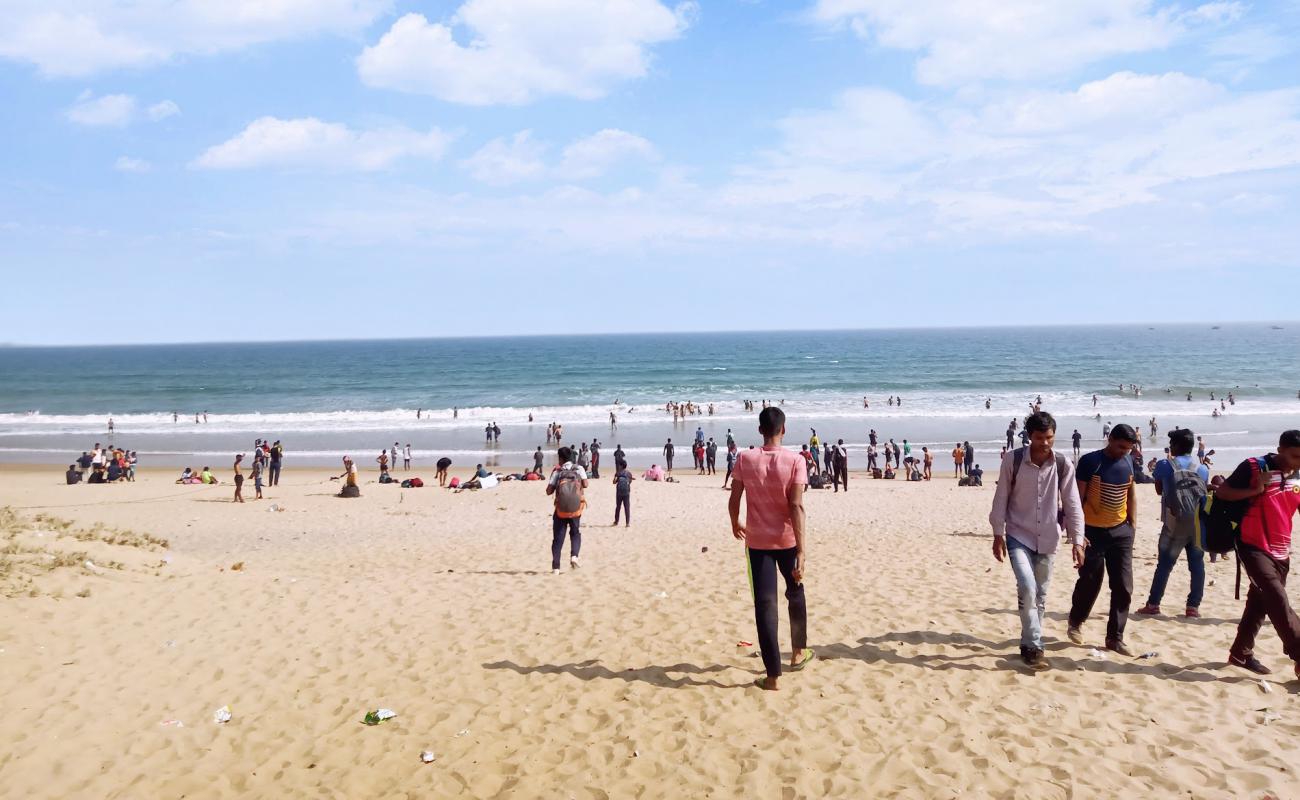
{"x":325,"y":399}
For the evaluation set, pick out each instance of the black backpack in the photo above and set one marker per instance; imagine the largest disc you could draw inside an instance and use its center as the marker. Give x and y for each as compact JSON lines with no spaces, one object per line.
{"x":1223,"y":524}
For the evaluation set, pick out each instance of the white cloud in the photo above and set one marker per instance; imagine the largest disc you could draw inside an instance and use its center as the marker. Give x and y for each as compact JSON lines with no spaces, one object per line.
{"x":966,"y":41}
{"x":163,"y":110}
{"x":515,"y":51}
{"x":129,"y":164}
{"x":1026,"y":162}
{"x":68,"y":38}
{"x":520,"y":158}
{"x":115,"y":110}
{"x":505,"y":161}
{"x":595,"y":155}
{"x":110,"y":110}
{"x":311,"y":143}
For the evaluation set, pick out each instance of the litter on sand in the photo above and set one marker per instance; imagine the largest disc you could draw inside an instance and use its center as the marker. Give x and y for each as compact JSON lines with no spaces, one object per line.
{"x":743,"y":643}
{"x":1265,"y":686}
{"x":172,"y":723}
{"x":463,"y":732}
{"x":378,"y":715}
{"x":221,"y":715}
{"x":662,"y":595}
{"x":427,"y":756}
{"x":1095,"y":653}
{"x":1151,"y":654}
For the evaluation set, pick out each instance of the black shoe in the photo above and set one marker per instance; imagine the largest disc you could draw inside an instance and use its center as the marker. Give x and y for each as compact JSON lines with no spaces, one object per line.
{"x":1251,"y":663}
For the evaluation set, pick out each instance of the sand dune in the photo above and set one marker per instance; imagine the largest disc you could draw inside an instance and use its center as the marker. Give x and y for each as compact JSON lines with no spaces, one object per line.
{"x":622,"y":679}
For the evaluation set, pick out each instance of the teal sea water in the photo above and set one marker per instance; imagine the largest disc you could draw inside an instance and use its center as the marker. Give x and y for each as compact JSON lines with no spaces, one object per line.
{"x":324,"y":399}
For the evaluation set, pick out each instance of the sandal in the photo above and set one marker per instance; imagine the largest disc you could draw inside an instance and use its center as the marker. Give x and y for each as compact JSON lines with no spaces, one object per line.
{"x":808,"y":655}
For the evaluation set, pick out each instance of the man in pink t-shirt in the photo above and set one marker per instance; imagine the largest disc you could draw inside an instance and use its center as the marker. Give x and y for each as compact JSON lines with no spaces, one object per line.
{"x":771,"y":480}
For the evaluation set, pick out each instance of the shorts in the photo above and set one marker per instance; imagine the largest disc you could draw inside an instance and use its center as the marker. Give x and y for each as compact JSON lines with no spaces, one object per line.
{"x":239,"y":480}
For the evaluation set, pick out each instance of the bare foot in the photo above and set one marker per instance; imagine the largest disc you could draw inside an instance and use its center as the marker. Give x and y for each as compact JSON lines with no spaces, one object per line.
{"x":767,"y":684}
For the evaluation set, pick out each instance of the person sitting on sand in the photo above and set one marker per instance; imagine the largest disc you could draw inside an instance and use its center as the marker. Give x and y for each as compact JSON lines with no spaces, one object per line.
{"x":653,"y":474}
{"x":206,"y":476}
{"x":185,"y":475}
{"x":114,"y":471}
{"x":73,"y":475}
{"x":976,"y":476}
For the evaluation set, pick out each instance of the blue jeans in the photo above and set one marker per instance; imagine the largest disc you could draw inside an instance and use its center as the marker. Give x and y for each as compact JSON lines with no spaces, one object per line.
{"x":1170,"y":548}
{"x":1033,"y":574}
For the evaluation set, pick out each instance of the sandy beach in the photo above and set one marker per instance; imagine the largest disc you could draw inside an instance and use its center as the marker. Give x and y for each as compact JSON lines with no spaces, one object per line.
{"x":622,"y":679}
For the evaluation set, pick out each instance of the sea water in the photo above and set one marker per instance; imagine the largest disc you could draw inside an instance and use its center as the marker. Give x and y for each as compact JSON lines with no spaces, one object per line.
{"x":328,"y":399}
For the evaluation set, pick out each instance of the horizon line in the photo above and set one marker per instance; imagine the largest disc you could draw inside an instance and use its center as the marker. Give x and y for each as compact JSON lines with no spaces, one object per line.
{"x":1208,"y":324}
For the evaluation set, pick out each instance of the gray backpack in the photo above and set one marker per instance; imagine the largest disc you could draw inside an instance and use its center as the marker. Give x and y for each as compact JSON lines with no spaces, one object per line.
{"x":1185,"y":503}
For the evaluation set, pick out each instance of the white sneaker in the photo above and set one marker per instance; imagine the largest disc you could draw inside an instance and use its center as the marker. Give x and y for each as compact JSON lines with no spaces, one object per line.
{"x":573,"y":562}
{"x":555,"y":572}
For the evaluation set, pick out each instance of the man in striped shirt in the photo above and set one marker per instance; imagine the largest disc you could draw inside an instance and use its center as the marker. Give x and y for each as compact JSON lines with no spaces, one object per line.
{"x":1107,"y":490}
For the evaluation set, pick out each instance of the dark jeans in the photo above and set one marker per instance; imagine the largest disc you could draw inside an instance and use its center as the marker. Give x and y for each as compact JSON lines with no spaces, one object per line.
{"x":1266,"y":598}
{"x":841,"y":476}
{"x":669,"y":461}
{"x":1110,"y":550}
{"x":763,"y":566}
{"x":624,"y":502}
{"x":560,"y":526}
{"x":275,"y":473}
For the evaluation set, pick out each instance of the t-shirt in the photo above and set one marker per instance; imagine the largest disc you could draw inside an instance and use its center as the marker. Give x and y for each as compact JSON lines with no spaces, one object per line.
{"x":582,"y":473}
{"x":1267,"y":522}
{"x":767,"y":474}
{"x":1077,"y":437}
{"x":1108,"y":479}
{"x":623,"y":487}
{"x":444,"y":462}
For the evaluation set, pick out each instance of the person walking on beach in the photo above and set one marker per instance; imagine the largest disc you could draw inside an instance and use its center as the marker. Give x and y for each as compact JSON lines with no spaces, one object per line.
{"x":711,"y":456}
{"x":1182,"y":485}
{"x":406,"y":458}
{"x":239,"y":479}
{"x":968,"y":453}
{"x":257,"y":479}
{"x":595,"y":459}
{"x":1077,"y":439}
{"x":1036,"y":491}
{"x":840,"y":457}
{"x":668,"y":455}
{"x":567,"y":485}
{"x":1271,"y":488}
{"x":828,"y":460}
{"x":277,"y":455}
{"x":623,"y":493}
{"x":538,"y":460}
{"x":928,"y":462}
{"x":1109,"y":497}
{"x":732,"y":455}
{"x":771,"y":482}
{"x":441,"y":474}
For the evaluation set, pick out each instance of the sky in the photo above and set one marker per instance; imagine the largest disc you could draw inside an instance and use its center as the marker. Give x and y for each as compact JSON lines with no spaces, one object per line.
{"x":210,"y":170}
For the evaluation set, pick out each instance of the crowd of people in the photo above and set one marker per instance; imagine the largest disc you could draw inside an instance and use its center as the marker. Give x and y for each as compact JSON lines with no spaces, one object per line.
{"x":104,"y":465}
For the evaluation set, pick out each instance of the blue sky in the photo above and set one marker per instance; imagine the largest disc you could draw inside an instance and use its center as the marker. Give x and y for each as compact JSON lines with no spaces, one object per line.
{"x":194,"y":170}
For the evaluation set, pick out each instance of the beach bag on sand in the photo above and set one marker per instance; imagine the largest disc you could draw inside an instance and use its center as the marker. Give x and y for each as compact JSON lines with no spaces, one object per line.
{"x":454,"y":483}
{"x":416,"y":483}
{"x":568,"y":494}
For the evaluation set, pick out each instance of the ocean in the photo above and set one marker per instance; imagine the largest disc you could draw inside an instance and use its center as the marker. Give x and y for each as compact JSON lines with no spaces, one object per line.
{"x":327,"y":399}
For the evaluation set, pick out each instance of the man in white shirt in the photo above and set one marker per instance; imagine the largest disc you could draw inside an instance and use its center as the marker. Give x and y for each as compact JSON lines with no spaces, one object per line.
{"x":1036,"y":493}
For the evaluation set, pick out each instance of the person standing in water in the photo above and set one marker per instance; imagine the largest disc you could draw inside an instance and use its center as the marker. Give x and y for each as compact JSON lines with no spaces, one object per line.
{"x":771,"y":481}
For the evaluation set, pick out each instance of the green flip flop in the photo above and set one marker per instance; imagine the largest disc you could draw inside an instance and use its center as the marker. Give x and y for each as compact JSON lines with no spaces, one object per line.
{"x":808,"y":655}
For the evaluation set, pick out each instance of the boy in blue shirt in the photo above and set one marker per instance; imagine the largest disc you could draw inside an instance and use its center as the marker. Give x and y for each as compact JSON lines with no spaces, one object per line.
{"x":1181,"y":482}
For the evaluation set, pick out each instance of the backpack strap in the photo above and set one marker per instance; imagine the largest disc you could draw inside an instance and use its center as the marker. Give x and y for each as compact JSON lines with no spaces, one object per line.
{"x":1017,"y":458}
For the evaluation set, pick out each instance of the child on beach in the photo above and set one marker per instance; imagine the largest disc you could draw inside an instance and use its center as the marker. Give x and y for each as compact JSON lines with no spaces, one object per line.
{"x":239,"y":480}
